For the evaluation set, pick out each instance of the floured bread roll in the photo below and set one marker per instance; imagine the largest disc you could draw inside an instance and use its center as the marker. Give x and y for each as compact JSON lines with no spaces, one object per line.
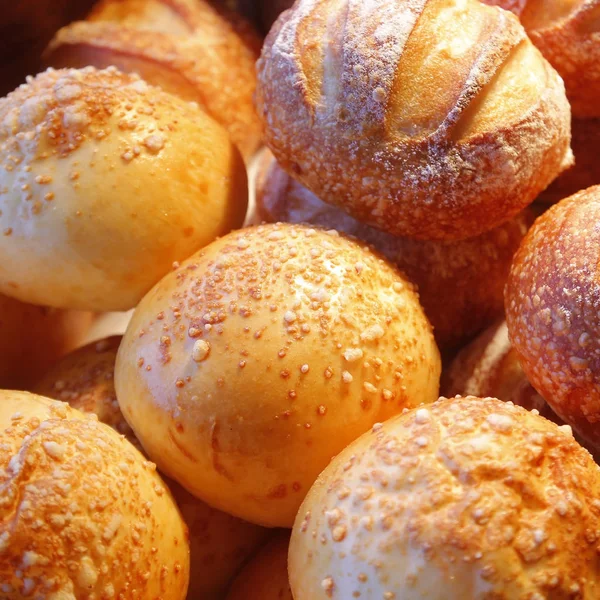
{"x":187,"y":47}
{"x":568,"y":34}
{"x":432,"y":119}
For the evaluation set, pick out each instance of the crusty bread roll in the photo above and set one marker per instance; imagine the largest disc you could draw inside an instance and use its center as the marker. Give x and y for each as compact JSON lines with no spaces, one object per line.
{"x":32,"y":338}
{"x":489,"y":367}
{"x":432,"y":119}
{"x":107,"y":181}
{"x":187,"y":47}
{"x":265,"y":577}
{"x":552,"y":297}
{"x":567,"y":33}
{"x":245,"y":370}
{"x":84,"y":515}
{"x":585,"y":172}
{"x":219,"y":543}
{"x":461,"y":284}
{"x":468,"y":499}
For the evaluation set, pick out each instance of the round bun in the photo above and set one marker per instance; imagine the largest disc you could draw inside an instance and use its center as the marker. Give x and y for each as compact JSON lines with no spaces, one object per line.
{"x":266,"y":575}
{"x":429,"y":119}
{"x":489,"y":367}
{"x":566,"y":32}
{"x":186,"y":47}
{"x":461,"y":284}
{"x":83,"y":513}
{"x":85,"y":379}
{"x":245,"y":370}
{"x":585,"y":172}
{"x":466,"y":499}
{"x":71,"y":143}
{"x":551,"y":310}
{"x":219,"y":543}
{"x":32,"y":338}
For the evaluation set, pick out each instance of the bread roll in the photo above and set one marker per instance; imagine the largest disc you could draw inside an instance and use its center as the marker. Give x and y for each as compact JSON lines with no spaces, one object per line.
{"x":32,"y":338}
{"x":586,"y":170}
{"x":461,"y":284}
{"x":489,"y":367}
{"x":219,"y":543}
{"x":566,"y":31}
{"x":112,"y":179}
{"x":434,"y":119}
{"x":266,"y":575}
{"x":468,"y":499}
{"x":245,"y":370}
{"x":187,"y":47}
{"x":552,"y":310}
{"x":84,"y":515}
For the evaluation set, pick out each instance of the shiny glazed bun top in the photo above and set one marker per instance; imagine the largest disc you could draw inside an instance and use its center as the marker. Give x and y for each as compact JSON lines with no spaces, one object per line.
{"x":245,"y":370}
{"x":466,"y":499}
{"x":434,"y":119}
{"x":105,"y":182}
{"x":187,"y":47}
{"x":82,"y":513}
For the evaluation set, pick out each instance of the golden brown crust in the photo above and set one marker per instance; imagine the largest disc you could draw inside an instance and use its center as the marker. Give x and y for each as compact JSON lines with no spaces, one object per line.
{"x":69,"y":141}
{"x":184,"y":46}
{"x":219,"y":543}
{"x":568,"y":34}
{"x":552,"y":299}
{"x":489,"y":367}
{"x":83,"y":514}
{"x":266,"y":575}
{"x":466,"y":146}
{"x":85,"y":380}
{"x":585,"y":172}
{"x":238,"y":369}
{"x":466,"y":498}
{"x":460,"y":284}
{"x":33,"y":338}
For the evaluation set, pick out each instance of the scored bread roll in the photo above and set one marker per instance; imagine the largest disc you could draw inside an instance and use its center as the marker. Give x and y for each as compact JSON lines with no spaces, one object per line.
{"x":266,"y":575}
{"x":567,"y":33}
{"x":585,"y":172}
{"x":112,"y":179}
{"x":460,"y":284}
{"x":433,"y":119}
{"x":552,"y":297}
{"x":489,"y":367}
{"x":84,"y":515}
{"x":466,"y":499}
{"x":32,"y":338}
{"x":187,"y":47}
{"x":245,"y":370}
{"x":219,"y":543}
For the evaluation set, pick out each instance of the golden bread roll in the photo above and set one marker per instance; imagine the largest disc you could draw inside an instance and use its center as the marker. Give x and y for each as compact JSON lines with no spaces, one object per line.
{"x":489,"y":367}
{"x":219,"y":543}
{"x":84,"y":515}
{"x":585,"y":172}
{"x":460,"y":284}
{"x":568,"y":34}
{"x":186,"y":47}
{"x":106,"y":182}
{"x":433,"y":119}
{"x":467,"y":499}
{"x":552,"y":315}
{"x":245,"y":370}
{"x":266,"y":575}
{"x":32,"y":338}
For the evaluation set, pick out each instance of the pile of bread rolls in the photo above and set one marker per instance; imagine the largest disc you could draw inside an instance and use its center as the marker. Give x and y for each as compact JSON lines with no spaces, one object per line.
{"x":315,"y":234}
